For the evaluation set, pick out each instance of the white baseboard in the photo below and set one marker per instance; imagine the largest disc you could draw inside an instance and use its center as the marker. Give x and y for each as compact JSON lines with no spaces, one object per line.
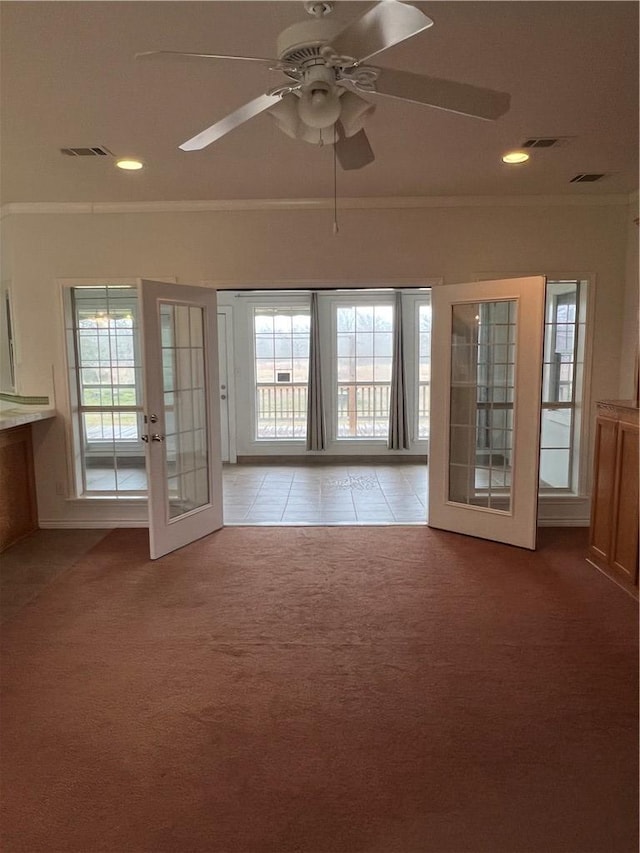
{"x":563,"y":522}
{"x":569,"y":511}
{"x":564,"y":511}
{"x":93,"y":524}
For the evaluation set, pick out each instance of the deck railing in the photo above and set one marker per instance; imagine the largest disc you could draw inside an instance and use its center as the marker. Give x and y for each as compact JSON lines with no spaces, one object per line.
{"x":362,"y":410}
{"x":281,"y":410}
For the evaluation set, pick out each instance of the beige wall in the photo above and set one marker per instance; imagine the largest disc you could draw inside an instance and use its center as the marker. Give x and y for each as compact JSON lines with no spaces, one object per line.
{"x":458,"y":243}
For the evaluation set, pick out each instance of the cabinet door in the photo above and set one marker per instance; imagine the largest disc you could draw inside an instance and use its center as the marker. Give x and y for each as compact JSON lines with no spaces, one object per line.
{"x":18,"y":510}
{"x":603,"y":487}
{"x":624,"y":544}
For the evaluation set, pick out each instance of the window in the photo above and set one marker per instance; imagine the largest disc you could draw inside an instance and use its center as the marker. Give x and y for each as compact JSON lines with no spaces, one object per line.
{"x":565,"y":317}
{"x":105,"y":380}
{"x":424,"y":369}
{"x":364,"y":347}
{"x":281,"y":345}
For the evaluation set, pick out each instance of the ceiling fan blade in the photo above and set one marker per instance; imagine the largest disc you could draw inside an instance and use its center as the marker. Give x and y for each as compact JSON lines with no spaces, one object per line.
{"x":443,"y":94}
{"x":228,"y":123}
{"x":353,"y":152}
{"x":177,"y":54}
{"x":383,"y":25}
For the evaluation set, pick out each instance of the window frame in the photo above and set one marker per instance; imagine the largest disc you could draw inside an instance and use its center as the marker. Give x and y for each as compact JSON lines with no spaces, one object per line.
{"x":82,"y":450}
{"x":579,"y":385}
{"x":122,"y":445}
{"x":412,"y":302}
{"x":246,"y":398}
{"x":581,"y":440}
{"x":283,"y":306}
{"x":370,"y":297}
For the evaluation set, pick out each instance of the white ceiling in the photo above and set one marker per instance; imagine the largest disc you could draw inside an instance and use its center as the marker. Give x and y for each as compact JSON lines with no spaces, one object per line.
{"x":69,"y":79}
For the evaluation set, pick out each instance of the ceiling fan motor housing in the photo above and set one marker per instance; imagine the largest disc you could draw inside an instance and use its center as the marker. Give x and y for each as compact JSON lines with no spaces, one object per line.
{"x":301,"y":43}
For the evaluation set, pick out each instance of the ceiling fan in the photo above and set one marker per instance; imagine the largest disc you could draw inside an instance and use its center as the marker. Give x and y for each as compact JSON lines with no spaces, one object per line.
{"x":323,"y":61}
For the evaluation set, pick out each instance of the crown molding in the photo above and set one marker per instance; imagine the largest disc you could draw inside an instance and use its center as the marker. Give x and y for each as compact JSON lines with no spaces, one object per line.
{"x":381,"y":203}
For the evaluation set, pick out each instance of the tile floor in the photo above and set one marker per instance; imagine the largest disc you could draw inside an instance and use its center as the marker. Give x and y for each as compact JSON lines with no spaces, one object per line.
{"x":311,"y":493}
{"x":325,"y":494}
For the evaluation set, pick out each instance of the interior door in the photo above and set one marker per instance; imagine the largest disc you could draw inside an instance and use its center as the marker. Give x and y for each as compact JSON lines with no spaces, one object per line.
{"x":182,"y":415}
{"x":485,"y":409}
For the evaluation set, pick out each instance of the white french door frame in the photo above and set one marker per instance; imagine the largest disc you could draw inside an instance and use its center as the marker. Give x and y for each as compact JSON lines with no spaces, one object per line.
{"x":170,"y":529}
{"x":226,"y":311}
{"x":517,"y":524}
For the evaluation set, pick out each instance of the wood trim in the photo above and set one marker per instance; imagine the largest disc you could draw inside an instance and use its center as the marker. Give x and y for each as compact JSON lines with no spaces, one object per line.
{"x":363,"y":203}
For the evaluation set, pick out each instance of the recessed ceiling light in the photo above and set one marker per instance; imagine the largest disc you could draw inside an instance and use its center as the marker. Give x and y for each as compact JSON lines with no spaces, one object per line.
{"x":515,"y":157}
{"x":129,"y":164}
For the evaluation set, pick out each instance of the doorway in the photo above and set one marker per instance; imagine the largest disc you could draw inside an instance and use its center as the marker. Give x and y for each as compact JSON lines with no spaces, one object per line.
{"x":355,"y":478}
{"x":364,"y":355}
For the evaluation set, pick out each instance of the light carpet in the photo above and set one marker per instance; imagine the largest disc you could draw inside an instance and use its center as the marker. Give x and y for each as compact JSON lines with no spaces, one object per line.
{"x":323,"y":690}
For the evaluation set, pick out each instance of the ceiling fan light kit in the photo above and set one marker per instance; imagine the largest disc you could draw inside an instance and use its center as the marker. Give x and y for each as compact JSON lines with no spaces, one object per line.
{"x":323,"y":61}
{"x":354,"y":110}
{"x":286,"y":115}
{"x":319,"y":105}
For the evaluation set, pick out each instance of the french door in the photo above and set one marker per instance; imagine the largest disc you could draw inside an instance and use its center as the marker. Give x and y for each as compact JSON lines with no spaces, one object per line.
{"x":485,"y":408}
{"x":182,"y":416}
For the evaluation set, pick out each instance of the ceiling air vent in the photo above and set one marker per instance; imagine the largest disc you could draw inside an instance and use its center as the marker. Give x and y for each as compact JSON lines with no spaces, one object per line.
{"x":586,"y":178}
{"x":545,"y":141}
{"x":96,"y":151}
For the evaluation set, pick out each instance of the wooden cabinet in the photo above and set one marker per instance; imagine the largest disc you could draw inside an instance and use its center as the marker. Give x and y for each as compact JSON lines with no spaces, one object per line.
{"x":18,"y":510}
{"x":613,"y":540}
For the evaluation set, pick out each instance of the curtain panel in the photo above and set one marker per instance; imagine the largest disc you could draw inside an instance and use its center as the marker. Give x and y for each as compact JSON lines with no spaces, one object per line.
{"x":398,"y":416}
{"x":316,"y":431}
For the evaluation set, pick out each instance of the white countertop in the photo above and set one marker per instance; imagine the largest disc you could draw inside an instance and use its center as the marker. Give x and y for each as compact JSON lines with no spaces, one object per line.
{"x":13,"y":416}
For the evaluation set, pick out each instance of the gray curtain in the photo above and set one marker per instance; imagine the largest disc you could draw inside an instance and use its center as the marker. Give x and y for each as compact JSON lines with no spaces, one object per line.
{"x":398,"y":417}
{"x":316,"y":436}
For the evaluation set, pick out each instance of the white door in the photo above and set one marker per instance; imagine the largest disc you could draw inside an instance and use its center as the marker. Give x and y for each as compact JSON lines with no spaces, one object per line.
{"x":223,"y":383}
{"x":182,"y":416}
{"x":485,"y":408}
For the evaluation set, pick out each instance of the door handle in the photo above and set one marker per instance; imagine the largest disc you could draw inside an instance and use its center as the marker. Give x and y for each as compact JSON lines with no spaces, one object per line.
{"x":223,"y":396}
{"x":157,"y":437}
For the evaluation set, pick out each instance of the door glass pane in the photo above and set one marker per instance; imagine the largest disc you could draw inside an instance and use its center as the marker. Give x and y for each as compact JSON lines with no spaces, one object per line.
{"x":481,"y":405}
{"x":184,"y":407}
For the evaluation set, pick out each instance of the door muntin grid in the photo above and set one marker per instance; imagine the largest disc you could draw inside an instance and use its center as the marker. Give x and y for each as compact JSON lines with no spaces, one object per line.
{"x":481,"y":406}
{"x":184,"y":408}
